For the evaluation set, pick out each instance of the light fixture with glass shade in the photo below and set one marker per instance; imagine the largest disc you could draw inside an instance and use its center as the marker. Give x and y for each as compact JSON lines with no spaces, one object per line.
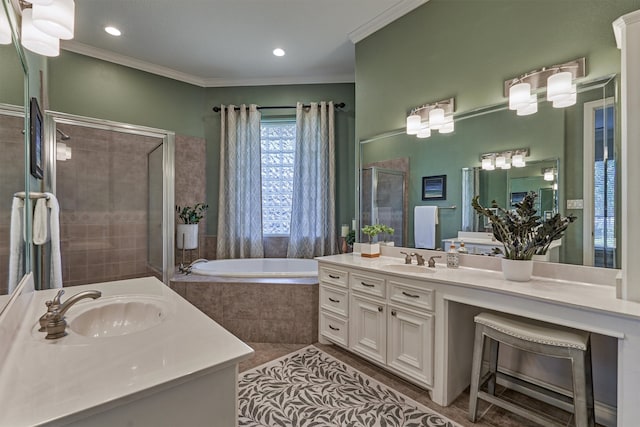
{"x":549,"y":174}
{"x":517,"y":160}
{"x":504,"y":159}
{"x":44,"y":23}
{"x":426,"y":118}
{"x":559,"y":80}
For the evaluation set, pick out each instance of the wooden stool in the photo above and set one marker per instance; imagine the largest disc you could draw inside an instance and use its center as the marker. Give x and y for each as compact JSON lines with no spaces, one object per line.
{"x":536,"y":337}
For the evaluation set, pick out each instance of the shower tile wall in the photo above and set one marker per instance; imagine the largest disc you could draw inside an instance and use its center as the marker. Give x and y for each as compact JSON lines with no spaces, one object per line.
{"x":102,"y":192}
{"x":11,"y":180}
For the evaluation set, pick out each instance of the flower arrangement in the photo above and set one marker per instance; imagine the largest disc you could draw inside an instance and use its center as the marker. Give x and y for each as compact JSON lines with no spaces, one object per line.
{"x":191,"y":214}
{"x":522,"y":232}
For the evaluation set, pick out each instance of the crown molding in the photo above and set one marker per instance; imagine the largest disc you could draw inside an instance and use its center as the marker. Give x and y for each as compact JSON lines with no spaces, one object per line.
{"x":148,"y":67}
{"x":385,"y":18}
{"x":622,"y":22}
{"x":130,"y":62}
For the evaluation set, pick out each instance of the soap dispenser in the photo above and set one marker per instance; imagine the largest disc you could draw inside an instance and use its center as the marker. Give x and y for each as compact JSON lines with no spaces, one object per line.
{"x":453,"y":260}
{"x":462,"y":249}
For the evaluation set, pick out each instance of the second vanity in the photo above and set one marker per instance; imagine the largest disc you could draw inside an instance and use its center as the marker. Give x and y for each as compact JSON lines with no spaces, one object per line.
{"x":168,"y":365}
{"x":417,"y":322}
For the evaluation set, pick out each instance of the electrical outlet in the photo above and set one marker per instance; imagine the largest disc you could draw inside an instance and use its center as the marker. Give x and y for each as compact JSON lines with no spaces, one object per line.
{"x":575,"y":204}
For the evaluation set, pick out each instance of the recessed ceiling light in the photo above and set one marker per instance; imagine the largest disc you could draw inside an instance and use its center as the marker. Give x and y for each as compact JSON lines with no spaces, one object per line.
{"x":278,"y":52}
{"x":113,"y":31}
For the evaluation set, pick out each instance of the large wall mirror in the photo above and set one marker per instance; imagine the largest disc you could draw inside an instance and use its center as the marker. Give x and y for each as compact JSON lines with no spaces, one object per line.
{"x":577,"y":145}
{"x":14,"y":170}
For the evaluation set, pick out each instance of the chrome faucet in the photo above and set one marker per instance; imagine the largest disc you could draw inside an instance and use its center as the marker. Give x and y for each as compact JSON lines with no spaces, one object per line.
{"x":407,"y":257}
{"x":53,"y":321}
{"x":419,"y":258}
{"x":187,"y":270}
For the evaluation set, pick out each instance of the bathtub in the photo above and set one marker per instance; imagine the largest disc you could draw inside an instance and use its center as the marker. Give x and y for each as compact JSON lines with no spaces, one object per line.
{"x":258,"y":268}
{"x":272,"y":300}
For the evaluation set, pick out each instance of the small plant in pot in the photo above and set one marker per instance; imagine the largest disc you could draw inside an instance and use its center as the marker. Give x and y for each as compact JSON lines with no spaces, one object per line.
{"x":370,"y":250}
{"x":387,"y":232}
{"x":187,"y":230}
{"x":522,"y":233}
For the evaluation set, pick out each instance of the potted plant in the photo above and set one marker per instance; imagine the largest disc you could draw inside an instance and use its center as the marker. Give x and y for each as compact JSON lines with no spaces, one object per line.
{"x":371,"y":250}
{"x":350,"y":239}
{"x":387,"y":232}
{"x":522,"y":233}
{"x":187,"y":229}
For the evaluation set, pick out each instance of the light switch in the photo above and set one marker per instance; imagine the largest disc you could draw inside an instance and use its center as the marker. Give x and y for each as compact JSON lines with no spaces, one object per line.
{"x":575,"y":204}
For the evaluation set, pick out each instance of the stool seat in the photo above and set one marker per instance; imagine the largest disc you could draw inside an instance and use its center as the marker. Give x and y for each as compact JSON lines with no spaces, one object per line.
{"x":535,"y":331}
{"x":535,"y":337}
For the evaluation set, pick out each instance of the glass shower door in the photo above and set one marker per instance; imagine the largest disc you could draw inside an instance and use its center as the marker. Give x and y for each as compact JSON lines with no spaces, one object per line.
{"x":383,"y":200}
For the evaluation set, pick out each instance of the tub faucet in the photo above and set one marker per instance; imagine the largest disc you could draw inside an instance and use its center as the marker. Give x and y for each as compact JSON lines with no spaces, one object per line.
{"x":187,"y":270}
{"x":53,"y":321}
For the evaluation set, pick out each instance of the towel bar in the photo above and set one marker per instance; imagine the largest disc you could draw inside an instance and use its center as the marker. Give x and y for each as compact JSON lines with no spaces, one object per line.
{"x":32,"y":195}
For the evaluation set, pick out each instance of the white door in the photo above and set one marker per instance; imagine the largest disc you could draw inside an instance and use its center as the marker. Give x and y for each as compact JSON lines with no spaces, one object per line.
{"x":368,"y":328}
{"x":410,"y":346}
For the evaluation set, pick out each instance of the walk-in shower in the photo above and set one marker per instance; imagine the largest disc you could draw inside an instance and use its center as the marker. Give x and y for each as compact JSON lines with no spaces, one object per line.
{"x":383,"y":200}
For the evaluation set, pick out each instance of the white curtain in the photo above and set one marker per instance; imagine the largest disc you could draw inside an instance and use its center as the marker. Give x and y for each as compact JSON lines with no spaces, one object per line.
{"x":313,"y":229}
{"x":239,"y":201}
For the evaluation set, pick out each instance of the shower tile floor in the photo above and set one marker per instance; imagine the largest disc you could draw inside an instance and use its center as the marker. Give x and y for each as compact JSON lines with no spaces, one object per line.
{"x":491,"y":416}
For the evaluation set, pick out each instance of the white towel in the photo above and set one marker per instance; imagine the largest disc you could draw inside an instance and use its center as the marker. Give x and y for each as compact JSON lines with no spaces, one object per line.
{"x":16,"y":243}
{"x":425,"y":219}
{"x":41,"y":222}
{"x":54,"y":222}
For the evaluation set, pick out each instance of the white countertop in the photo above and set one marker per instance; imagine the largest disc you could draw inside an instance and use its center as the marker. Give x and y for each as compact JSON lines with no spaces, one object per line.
{"x":47,"y":380}
{"x":581,"y":295}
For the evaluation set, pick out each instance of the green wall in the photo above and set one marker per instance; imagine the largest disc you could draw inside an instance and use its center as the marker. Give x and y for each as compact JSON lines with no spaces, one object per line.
{"x":11,"y":75}
{"x":287,"y":95}
{"x":94,"y":88}
{"x":90,"y":87}
{"x":467,"y":49}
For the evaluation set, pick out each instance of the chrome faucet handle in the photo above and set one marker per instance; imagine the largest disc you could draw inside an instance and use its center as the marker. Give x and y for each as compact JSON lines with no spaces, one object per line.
{"x":407,"y":257}
{"x":419,"y":258}
{"x":55,"y":323}
{"x":432,"y":261}
{"x":56,"y":299}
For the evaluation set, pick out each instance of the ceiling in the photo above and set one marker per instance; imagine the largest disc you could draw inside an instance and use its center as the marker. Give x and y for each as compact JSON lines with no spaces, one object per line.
{"x":230,"y":42}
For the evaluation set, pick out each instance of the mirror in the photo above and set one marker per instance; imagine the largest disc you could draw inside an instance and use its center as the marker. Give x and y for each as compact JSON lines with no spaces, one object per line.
{"x":13,"y":168}
{"x":554,"y":137}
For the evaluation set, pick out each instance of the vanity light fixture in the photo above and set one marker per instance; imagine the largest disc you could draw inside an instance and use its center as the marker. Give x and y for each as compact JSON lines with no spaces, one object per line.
{"x":426,"y":118}
{"x":549,"y":174}
{"x":559,"y":81}
{"x":505,"y":159}
{"x":44,"y":23}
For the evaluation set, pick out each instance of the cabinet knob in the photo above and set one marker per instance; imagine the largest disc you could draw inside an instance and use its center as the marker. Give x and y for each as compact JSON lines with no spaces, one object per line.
{"x":380,"y":309}
{"x":393,"y":313}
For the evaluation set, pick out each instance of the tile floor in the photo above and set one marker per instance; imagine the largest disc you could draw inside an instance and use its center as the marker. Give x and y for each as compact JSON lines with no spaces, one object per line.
{"x":491,"y":416}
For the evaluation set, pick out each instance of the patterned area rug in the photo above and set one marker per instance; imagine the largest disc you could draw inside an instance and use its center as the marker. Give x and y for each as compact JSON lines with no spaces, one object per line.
{"x":313,"y":389}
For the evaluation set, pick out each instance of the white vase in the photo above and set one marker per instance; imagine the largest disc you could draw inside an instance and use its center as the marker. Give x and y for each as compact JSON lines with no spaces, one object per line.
{"x":370,"y":250}
{"x":187,"y":234}
{"x":389,"y":243}
{"x":517,"y":270}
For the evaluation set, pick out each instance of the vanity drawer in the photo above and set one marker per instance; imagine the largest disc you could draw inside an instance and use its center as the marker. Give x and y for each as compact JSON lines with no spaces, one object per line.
{"x":334,"y":276}
{"x":368,"y":284}
{"x":335,"y":300}
{"x":334,"y":328}
{"x":415,"y":296}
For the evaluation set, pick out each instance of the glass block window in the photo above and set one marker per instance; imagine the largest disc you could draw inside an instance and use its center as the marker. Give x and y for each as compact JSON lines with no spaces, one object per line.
{"x":277,"y":142}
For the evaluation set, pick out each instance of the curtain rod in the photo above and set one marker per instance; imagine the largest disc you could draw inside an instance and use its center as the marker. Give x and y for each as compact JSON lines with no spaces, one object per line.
{"x":277,"y":107}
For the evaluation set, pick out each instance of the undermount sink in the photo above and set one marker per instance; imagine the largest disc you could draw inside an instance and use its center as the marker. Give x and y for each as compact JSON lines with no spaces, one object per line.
{"x":408,"y":268}
{"x":114,"y":317}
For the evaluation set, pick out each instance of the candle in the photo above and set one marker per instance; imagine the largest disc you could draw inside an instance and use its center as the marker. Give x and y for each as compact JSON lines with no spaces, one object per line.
{"x":353,"y":224}
{"x":344,"y":230}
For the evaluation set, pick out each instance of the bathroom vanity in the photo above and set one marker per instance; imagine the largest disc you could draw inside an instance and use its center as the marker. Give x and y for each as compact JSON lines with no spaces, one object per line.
{"x":417,"y":322}
{"x":139,"y":355}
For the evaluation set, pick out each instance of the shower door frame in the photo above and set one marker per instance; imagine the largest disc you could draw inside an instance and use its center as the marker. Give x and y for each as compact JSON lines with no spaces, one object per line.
{"x":52,"y":118}
{"x":374,"y":191}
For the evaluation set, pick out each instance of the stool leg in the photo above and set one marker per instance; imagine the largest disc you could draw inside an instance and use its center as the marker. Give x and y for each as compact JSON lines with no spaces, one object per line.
{"x":591,"y":413}
{"x":476,"y":372}
{"x":583,"y":415}
{"x":493,"y":365}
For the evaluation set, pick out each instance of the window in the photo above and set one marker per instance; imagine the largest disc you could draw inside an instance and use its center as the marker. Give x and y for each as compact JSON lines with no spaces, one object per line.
{"x":277,"y":144}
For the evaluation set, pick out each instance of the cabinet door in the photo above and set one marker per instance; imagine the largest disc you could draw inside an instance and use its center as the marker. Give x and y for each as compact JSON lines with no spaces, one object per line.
{"x":368,"y":328}
{"x":410,"y":346}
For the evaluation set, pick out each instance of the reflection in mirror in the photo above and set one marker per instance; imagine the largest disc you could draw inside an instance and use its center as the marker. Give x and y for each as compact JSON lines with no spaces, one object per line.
{"x":12,"y":164}
{"x":552,"y":136}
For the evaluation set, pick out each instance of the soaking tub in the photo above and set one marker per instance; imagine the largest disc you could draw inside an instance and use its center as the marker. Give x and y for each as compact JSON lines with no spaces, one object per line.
{"x":258,"y":267}
{"x":258,"y":300}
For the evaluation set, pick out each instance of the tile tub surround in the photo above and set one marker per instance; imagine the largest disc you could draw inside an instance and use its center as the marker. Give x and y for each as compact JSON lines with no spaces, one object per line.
{"x":125,"y":370}
{"x":256,"y":310}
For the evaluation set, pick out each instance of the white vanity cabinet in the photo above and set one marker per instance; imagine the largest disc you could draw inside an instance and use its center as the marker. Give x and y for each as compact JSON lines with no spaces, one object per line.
{"x":389,"y":320}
